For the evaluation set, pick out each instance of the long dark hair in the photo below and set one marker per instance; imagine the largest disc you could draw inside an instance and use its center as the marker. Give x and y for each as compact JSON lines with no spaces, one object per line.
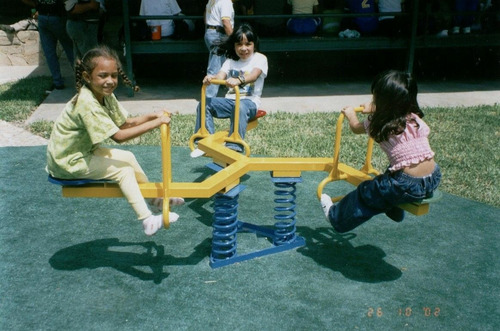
{"x":88,"y":64}
{"x":244,"y":29}
{"x":395,"y":97}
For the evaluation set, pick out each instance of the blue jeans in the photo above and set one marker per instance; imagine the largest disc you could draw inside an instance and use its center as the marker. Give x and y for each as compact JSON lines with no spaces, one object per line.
{"x":84,"y":36}
{"x":465,"y":5}
{"x":303,"y":25}
{"x":224,"y":108}
{"x":212,"y":40}
{"x":53,"y":29}
{"x":381,"y":195}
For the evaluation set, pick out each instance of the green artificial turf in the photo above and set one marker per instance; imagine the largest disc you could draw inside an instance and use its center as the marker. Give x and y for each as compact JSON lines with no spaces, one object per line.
{"x":69,"y":264}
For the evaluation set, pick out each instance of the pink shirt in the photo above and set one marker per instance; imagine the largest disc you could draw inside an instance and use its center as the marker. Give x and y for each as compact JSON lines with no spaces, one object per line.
{"x":409,"y":147}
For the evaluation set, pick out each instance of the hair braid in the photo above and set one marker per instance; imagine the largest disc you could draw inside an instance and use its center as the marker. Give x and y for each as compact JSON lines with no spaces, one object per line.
{"x":79,"y":69}
{"x":127,"y":80}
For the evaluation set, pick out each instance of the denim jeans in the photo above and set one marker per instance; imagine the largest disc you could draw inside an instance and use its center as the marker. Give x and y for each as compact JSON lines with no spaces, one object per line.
{"x":465,"y":5}
{"x":224,"y":108}
{"x":84,"y":36}
{"x":380,"y":195}
{"x":212,"y":40}
{"x":53,"y":29}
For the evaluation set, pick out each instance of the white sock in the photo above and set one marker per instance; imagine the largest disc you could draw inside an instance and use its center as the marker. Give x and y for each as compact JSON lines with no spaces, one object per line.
{"x":155,"y":222}
{"x":152,"y":224}
{"x":326,"y":204}
{"x":176,"y":201}
{"x":157,"y":203}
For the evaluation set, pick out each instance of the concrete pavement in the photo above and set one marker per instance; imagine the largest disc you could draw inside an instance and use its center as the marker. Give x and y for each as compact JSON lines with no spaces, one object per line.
{"x":297,"y":98}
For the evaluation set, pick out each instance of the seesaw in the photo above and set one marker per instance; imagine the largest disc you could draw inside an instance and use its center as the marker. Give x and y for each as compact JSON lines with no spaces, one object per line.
{"x":224,"y":186}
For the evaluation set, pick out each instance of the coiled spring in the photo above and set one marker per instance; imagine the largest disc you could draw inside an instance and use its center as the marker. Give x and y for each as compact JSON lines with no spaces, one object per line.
{"x":225,"y":227}
{"x":284,"y":228}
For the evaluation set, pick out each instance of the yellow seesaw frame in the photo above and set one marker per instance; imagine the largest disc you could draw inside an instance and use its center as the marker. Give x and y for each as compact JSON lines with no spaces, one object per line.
{"x":236,"y":165}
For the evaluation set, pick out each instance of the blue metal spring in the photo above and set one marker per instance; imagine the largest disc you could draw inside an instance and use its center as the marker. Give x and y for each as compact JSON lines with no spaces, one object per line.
{"x":225,"y":227}
{"x":284,"y":229}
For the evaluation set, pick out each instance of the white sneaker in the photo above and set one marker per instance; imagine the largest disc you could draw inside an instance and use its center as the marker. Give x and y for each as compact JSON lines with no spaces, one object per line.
{"x":197,"y":153}
{"x":466,"y":30}
{"x":442,"y":34}
{"x":455,"y":30}
{"x":326,"y":204}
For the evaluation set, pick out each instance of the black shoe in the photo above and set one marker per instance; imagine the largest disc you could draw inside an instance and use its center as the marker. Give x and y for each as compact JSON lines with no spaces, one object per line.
{"x":57,"y":87}
{"x":396,"y":214}
{"x":7,"y":28}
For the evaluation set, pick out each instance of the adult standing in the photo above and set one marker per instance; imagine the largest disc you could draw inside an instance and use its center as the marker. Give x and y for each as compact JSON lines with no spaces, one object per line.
{"x":83,"y":25}
{"x":219,"y":23}
{"x":52,"y":28}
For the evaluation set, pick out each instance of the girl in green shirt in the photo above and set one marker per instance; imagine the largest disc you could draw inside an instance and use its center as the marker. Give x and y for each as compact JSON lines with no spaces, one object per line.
{"x":92,"y":116}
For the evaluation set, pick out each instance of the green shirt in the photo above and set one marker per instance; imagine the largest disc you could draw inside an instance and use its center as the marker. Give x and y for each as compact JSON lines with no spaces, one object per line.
{"x":79,"y":130}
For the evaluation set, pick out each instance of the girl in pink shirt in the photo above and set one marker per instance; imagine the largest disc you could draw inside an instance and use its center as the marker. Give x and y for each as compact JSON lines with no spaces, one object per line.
{"x":413,"y":175}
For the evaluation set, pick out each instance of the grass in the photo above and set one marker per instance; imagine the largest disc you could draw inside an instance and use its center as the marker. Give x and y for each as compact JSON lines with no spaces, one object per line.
{"x":19,"y":99}
{"x":465,"y":139}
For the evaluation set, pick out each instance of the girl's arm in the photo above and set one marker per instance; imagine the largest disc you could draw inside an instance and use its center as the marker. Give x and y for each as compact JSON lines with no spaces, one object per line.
{"x":221,"y":75}
{"x":355,"y":125}
{"x":137,"y":126}
{"x":247,"y":78}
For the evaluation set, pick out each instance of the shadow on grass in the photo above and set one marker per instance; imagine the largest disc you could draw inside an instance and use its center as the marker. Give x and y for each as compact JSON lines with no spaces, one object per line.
{"x":334,"y":251}
{"x":127,"y":257}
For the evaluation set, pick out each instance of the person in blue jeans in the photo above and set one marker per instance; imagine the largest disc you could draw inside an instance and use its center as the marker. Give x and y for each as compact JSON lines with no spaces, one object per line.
{"x":464,"y":21}
{"x":52,"y":28}
{"x":219,"y":23}
{"x":395,"y":122}
{"x":246,"y":68}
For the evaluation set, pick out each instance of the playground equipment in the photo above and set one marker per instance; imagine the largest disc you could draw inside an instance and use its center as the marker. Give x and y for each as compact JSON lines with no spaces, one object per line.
{"x":235,"y":137}
{"x":224,"y":186}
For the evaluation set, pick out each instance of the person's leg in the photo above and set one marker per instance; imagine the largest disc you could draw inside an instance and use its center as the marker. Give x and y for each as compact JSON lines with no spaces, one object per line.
{"x":370,"y":198}
{"x":49,"y":45}
{"x":59,"y":30}
{"x":248,"y":110}
{"x":73,"y":30}
{"x":457,"y":20}
{"x":89,"y":37}
{"x":83,"y":35}
{"x":209,"y":121}
{"x":470,"y":5}
{"x":121,"y":166}
{"x":212,"y":40}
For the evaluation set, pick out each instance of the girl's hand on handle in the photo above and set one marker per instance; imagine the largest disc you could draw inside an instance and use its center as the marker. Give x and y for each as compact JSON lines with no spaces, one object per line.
{"x":207,"y":79}
{"x":232,"y":82}
{"x":164,"y":117}
{"x":368,"y":107}
{"x":348,"y":111}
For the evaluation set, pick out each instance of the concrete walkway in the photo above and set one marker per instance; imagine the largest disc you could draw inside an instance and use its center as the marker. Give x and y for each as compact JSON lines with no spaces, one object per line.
{"x":297,"y":98}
